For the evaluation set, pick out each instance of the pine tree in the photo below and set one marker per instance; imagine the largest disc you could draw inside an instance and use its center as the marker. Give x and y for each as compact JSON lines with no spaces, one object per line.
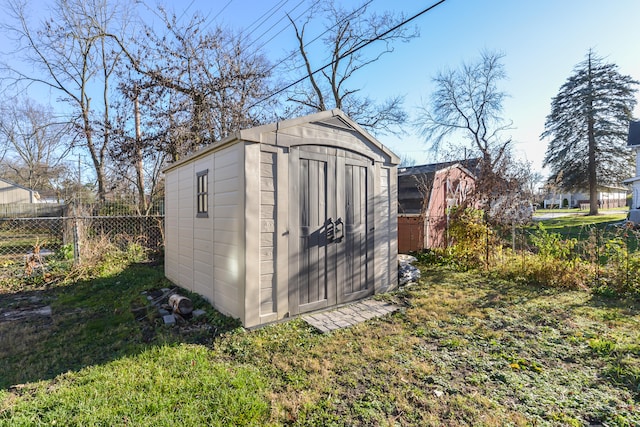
{"x":588,"y":127}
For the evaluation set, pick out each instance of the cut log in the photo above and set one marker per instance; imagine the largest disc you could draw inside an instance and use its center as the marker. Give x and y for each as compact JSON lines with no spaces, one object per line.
{"x":180,"y":304}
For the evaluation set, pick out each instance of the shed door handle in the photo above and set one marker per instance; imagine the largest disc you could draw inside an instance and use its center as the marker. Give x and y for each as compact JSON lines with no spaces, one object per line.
{"x":331,"y":230}
{"x":339,"y":233}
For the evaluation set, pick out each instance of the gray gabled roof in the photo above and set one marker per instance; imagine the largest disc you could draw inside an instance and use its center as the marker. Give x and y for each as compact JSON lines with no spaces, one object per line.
{"x":13,"y":184}
{"x":335,"y":118}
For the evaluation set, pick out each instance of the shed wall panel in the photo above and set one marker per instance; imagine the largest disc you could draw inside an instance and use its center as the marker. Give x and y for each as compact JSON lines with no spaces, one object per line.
{"x":202,"y":233}
{"x":186,"y":181}
{"x":268,"y":224}
{"x":12,"y":193}
{"x":227,"y":207}
{"x":171,"y":226}
{"x":382,"y":230}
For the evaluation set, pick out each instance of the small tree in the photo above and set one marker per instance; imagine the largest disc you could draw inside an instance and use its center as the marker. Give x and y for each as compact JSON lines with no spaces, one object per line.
{"x":36,"y":144}
{"x":467,"y":103}
{"x":588,"y":127}
{"x":73,"y":56}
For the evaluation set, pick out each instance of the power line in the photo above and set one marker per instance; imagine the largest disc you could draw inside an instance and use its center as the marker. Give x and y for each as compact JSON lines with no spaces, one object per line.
{"x":265,"y":17}
{"x":349,"y":52}
{"x":292,"y":54}
{"x":222,"y":10}
{"x":274,"y":25}
{"x":185,"y":11}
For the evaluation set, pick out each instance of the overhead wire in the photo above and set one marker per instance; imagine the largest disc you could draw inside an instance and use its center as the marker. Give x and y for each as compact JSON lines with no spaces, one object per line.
{"x":265,"y":17}
{"x":186,"y":9}
{"x":278,"y":22}
{"x":222,"y":10}
{"x":295,"y":52}
{"x":351,"y":51}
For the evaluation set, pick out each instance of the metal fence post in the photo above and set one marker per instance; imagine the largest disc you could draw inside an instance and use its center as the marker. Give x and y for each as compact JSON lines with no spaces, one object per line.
{"x":76,"y":238}
{"x":626,"y":245}
{"x":597,"y":260}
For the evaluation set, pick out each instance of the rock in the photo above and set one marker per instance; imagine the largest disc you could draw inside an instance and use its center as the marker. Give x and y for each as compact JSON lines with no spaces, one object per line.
{"x":169,"y":319}
{"x":407,"y":273}
{"x":198,"y":312}
{"x":438,"y":393}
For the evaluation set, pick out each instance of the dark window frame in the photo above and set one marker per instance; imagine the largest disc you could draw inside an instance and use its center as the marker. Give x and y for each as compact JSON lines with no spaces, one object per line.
{"x":202,"y":194}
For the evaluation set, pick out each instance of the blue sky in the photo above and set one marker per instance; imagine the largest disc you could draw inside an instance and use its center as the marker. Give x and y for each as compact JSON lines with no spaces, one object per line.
{"x":542,"y":40}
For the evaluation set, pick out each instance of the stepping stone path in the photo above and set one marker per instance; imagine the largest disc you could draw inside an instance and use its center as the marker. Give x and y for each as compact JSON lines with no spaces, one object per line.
{"x":349,"y":315}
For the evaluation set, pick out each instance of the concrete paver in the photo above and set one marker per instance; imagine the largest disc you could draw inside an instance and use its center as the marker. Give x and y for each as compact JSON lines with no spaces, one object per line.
{"x":349,"y":315}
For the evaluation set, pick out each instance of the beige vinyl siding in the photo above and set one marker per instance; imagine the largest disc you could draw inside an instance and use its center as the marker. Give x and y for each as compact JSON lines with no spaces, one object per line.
{"x":10,"y":194}
{"x":313,"y":134}
{"x":205,"y":254}
{"x":227,"y":211}
{"x":381,"y":207}
{"x":202,"y":235}
{"x":171,"y":226}
{"x":268,"y":179}
{"x":186,"y":209}
{"x":393,"y":226}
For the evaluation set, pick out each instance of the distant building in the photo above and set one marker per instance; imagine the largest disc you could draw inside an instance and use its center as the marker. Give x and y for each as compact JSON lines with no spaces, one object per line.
{"x":11,"y":193}
{"x":634,"y":143}
{"x":609,"y":196}
{"x":425,"y":194}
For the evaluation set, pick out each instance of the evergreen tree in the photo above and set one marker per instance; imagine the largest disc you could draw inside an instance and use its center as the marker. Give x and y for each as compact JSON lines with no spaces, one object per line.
{"x":588,"y":127}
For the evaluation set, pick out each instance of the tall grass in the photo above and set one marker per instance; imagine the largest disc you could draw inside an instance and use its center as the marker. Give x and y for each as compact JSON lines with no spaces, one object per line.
{"x":596,"y":253}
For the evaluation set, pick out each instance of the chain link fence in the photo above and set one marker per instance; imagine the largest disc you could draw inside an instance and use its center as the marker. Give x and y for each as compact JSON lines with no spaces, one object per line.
{"x":589,"y":255}
{"x":30,"y":234}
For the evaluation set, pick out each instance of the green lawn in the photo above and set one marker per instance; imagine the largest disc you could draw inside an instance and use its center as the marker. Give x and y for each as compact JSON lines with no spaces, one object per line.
{"x":463,"y":350}
{"x":580,"y":226}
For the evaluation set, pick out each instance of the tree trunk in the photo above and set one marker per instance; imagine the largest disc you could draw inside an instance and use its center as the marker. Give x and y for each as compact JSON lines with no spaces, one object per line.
{"x":593,"y":178}
{"x":142,"y":201}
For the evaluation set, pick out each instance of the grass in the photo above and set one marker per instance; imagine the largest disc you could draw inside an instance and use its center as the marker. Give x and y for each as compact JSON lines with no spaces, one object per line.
{"x":463,"y":350}
{"x":600,"y":228}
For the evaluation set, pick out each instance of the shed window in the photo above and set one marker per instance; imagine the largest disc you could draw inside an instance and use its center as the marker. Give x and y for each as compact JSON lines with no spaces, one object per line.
{"x":202,"y":194}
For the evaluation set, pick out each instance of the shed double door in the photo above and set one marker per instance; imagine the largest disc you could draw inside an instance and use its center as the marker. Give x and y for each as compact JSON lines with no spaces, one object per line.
{"x":331,"y":222}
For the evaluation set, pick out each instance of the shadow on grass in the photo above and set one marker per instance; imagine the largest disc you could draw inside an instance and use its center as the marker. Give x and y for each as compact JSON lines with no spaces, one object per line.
{"x":92,"y":322}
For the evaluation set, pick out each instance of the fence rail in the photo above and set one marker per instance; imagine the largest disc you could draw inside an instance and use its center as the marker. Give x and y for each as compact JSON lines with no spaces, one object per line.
{"x":31,"y":210}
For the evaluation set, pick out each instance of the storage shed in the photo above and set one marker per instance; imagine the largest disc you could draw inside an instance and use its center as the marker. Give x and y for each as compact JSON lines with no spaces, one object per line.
{"x":284,"y":218}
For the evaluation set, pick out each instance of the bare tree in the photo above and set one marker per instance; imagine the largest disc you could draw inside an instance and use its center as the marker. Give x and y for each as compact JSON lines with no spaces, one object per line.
{"x":194,"y":86}
{"x":72,"y":54}
{"x":135,"y":156}
{"x":467,"y":104}
{"x":346,"y":31}
{"x":36,"y":143}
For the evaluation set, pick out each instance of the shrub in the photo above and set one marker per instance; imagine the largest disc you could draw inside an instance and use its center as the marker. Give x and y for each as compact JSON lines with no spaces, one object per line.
{"x":472,"y":239}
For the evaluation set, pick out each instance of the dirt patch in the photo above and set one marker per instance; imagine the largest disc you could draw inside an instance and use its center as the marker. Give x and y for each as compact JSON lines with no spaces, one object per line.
{"x":25,"y":313}
{"x":152,"y":312}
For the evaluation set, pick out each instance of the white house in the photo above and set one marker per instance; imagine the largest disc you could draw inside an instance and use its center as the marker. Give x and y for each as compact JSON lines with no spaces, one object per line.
{"x":609,"y":196}
{"x":634,"y":143}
